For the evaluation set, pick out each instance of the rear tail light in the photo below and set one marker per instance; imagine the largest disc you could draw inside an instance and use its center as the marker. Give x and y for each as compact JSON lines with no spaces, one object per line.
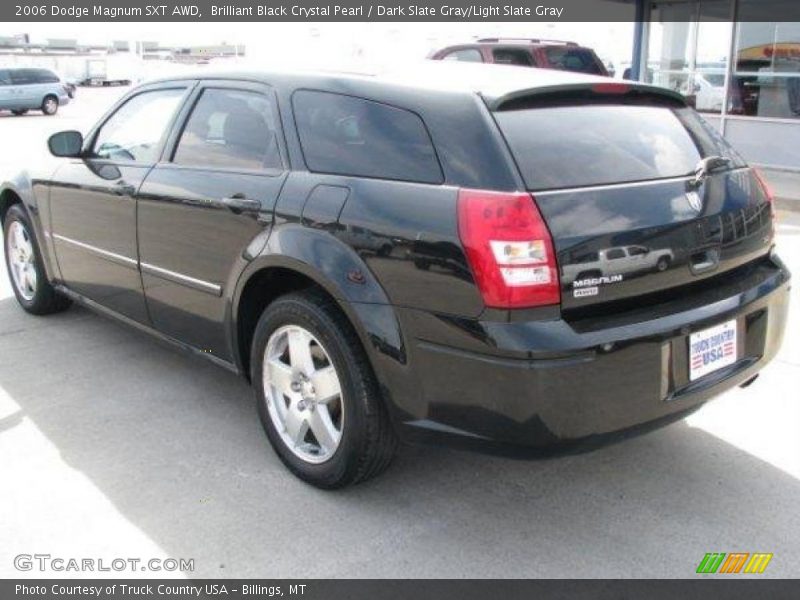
{"x":767,"y":191}
{"x":509,"y":249}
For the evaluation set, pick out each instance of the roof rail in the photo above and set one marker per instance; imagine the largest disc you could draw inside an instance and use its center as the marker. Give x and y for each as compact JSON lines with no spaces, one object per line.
{"x":530,"y":40}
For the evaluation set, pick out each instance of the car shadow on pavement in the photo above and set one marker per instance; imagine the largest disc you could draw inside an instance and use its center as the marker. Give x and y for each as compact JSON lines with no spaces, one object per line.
{"x":175,"y":445}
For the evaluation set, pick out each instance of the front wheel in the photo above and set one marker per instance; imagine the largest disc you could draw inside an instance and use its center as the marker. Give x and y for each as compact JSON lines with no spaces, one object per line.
{"x":25,"y":269}
{"x":50,"y":105}
{"x":317,"y":397}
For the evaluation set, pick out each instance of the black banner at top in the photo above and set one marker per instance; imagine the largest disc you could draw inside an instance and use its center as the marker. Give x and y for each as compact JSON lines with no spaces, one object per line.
{"x":369,"y":10}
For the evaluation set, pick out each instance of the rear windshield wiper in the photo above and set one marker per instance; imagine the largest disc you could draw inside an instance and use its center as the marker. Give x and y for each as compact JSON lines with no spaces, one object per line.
{"x":707,"y":166}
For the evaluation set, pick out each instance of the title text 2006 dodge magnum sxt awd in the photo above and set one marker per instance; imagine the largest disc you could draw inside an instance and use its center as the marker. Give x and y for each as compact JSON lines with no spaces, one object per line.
{"x":509,"y":257}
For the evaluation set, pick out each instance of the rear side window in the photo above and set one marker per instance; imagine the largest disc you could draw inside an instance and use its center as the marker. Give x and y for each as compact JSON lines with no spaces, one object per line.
{"x":353,"y":136}
{"x":22,"y":76}
{"x":512,"y":56}
{"x":595,"y":144}
{"x":45,"y":76}
{"x":464,"y":55}
{"x":230,"y":129}
{"x":5,"y":77}
{"x":573,"y":59}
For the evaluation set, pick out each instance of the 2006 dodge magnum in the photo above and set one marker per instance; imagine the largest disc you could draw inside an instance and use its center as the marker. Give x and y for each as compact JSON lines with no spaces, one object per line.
{"x":479,"y":254}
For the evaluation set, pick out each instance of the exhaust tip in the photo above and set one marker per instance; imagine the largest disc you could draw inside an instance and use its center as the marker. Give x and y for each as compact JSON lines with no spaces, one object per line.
{"x":749,"y":382}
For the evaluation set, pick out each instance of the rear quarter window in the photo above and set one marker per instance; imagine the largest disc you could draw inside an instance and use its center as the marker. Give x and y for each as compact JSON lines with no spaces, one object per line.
{"x":597,"y":144}
{"x":45,"y":76}
{"x":464,"y":55}
{"x":346,"y":135}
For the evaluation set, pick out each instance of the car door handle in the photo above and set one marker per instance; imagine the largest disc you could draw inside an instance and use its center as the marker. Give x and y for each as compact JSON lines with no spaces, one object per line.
{"x":239,"y":203}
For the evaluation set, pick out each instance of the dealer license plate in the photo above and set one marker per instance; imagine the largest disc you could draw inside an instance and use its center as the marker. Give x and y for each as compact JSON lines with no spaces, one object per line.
{"x":712,"y":349}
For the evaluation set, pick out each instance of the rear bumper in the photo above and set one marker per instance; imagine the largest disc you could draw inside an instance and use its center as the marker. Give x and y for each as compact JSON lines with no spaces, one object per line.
{"x":550,"y":382}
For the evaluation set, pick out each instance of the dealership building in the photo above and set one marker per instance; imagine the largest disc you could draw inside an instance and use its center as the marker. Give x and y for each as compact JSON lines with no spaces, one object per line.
{"x":743,"y":74}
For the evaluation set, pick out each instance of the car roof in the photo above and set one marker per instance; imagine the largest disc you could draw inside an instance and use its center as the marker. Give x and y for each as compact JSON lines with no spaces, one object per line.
{"x":494,"y":41}
{"x":494,"y":83}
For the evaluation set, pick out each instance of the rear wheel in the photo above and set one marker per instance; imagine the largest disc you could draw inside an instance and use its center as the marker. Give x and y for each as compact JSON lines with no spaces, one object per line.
{"x":20,"y":112}
{"x":50,"y":105}
{"x":662,"y":264}
{"x":317,"y":397}
{"x":24,"y":263}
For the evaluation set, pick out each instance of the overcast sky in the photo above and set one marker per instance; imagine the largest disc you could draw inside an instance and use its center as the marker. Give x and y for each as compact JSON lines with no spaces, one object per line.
{"x":331,"y":42}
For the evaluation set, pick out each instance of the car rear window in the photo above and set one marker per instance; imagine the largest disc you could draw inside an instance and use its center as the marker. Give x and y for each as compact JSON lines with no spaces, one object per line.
{"x":346,"y":135}
{"x":565,"y":146}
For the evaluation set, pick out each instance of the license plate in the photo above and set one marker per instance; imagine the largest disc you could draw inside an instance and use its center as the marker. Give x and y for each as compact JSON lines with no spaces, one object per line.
{"x":712,"y":349}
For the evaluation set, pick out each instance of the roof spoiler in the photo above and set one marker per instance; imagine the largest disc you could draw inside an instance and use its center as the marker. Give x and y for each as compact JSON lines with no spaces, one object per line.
{"x":600,"y":88}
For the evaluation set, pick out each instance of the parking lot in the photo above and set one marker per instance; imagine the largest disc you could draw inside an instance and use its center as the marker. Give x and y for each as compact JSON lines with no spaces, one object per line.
{"x":112,"y":445}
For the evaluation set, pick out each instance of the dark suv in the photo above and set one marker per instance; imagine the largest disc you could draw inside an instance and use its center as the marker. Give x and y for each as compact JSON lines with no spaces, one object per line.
{"x":399,"y":256}
{"x":524,"y":52}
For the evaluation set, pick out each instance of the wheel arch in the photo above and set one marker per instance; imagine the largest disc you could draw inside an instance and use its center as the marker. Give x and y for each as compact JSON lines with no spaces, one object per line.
{"x":272,"y":275}
{"x":8,"y":197}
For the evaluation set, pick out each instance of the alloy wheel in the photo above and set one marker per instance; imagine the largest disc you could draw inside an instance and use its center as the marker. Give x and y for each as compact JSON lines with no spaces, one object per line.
{"x":22,"y":260}
{"x":303,"y":394}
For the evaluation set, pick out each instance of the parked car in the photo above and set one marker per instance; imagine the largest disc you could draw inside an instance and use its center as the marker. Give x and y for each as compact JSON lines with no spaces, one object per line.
{"x":71,"y":87}
{"x":23,"y":89}
{"x":217,"y":213}
{"x":709,"y":91}
{"x":524,"y":52}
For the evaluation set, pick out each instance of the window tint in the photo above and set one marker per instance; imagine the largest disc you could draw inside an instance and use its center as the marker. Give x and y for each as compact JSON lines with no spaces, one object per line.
{"x":133,"y":132}
{"x":637,"y":251}
{"x":353,"y":136}
{"x":22,"y":76}
{"x":44,"y":76}
{"x":595,"y":144}
{"x":465,"y":55}
{"x":573,"y":59}
{"x":512,"y":56}
{"x":5,"y":77}
{"x":615,"y":254}
{"x":230,"y":129}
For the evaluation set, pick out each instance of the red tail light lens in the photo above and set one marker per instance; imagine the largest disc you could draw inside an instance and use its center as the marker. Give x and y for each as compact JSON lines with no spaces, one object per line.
{"x":766,"y":187}
{"x":509,"y":249}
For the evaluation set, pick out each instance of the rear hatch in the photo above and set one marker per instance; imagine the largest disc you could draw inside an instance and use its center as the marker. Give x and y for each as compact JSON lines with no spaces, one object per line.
{"x":614,"y":171}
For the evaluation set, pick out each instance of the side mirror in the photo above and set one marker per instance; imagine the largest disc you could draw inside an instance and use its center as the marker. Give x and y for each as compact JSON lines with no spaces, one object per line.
{"x":66,"y":144}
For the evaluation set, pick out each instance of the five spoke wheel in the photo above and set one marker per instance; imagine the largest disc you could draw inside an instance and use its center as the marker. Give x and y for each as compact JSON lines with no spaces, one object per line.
{"x":22,"y":260}
{"x":303,"y":394}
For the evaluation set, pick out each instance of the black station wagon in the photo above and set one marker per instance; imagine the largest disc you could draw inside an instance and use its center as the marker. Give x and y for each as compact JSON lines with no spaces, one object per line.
{"x":494,"y":257}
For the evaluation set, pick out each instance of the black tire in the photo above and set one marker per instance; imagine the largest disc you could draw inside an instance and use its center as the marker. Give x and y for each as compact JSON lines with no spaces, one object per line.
{"x":368,"y":441}
{"x":662,"y":264}
{"x":20,"y":112}
{"x":50,"y":105}
{"x":45,"y":300}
